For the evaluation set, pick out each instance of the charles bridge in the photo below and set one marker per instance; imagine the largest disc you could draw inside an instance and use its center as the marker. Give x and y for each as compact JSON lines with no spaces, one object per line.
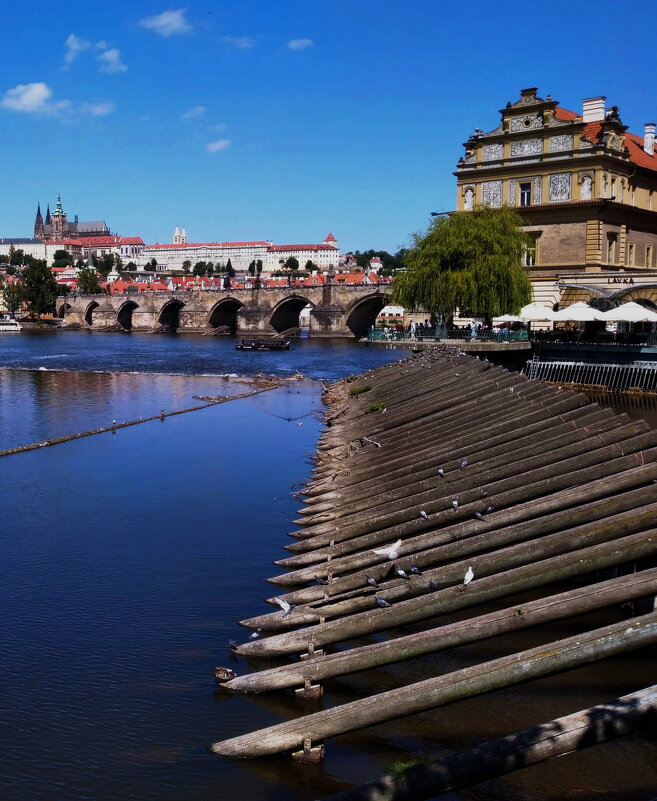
{"x":336,"y":311}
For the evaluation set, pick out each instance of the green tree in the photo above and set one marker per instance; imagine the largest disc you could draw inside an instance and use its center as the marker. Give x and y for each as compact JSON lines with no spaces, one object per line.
{"x":131,"y":266}
{"x":40,"y":288}
{"x":200,"y":268}
{"x":106,"y":264}
{"x":88,"y":282}
{"x":252,"y":267}
{"x":12,"y":296}
{"x":10,"y":270}
{"x":80,"y":264}
{"x":259,"y":266}
{"x":210,"y":269}
{"x":292,"y":263}
{"x":229,"y":269}
{"x":472,"y":261}
{"x":310,"y":266}
{"x":187,"y":266}
{"x":61,"y":258}
{"x":16,"y":257}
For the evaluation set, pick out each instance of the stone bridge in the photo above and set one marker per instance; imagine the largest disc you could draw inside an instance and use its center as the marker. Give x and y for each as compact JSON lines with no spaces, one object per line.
{"x":337,"y":311}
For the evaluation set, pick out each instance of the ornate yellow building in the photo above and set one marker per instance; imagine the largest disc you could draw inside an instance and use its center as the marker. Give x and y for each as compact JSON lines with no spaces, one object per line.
{"x":586,"y":188}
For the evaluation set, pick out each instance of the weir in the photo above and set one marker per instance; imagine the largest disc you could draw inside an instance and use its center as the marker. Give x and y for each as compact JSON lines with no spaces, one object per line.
{"x":430,"y":470}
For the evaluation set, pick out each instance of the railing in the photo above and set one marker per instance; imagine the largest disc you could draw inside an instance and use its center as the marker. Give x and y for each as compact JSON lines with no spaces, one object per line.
{"x":436,"y":335}
{"x":615,"y":377}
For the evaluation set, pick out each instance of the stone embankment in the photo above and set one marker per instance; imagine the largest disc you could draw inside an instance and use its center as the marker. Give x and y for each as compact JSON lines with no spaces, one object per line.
{"x":444,"y":484}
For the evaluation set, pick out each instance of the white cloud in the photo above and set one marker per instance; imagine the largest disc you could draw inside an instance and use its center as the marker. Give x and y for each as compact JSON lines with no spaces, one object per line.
{"x":239,"y":42}
{"x":194,"y":111}
{"x":299,"y":44}
{"x":220,"y":128}
{"x":37,"y":98}
{"x":168,"y":23}
{"x":74,"y":46}
{"x":110,"y":61}
{"x":220,"y":144}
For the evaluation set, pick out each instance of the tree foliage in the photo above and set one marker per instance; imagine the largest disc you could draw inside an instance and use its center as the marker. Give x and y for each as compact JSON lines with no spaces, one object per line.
{"x":40,"y":288}
{"x":472,"y":261}
{"x":88,"y":282}
{"x":61,"y":258}
{"x":292,"y":263}
{"x":12,"y":296}
{"x":391,"y":263}
{"x":187,"y":266}
{"x":200,"y":268}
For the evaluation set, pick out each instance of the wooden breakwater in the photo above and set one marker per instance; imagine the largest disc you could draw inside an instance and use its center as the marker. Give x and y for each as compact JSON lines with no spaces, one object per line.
{"x":429,"y":470}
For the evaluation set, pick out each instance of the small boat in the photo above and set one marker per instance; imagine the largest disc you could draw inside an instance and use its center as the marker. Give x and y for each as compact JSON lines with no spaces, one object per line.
{"x":9,"y":326}
{"x":263,"y":344}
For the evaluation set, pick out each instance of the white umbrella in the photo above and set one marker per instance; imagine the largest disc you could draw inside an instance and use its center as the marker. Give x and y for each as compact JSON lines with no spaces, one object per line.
{"x":507,"y":318}
{"x":630,"y":313}
{"x":579,"y":312}
{"x":536,"y":312}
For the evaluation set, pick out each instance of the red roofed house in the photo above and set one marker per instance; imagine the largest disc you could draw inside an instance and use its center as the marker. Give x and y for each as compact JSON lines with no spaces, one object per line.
{"x":586,"y":188}
{"x":323,"y":256}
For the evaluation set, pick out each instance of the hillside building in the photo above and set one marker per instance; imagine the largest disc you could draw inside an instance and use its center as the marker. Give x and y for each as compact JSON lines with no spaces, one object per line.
{"x":56,"y":225}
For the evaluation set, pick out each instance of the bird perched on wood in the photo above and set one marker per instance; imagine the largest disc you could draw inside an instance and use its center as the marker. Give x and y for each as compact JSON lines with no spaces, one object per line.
{"x":455,"y":504}
{"x":464,"y":464}
{"x":255,"y":634}
{"x":424,"y":514}
{"x":320,"y":581}
{"x":390,"y":551}
{"x":285,"y":606}
{"x":381,"y":603}
{"x":232,"y":644}
{"x":432,"y":585}
{"x":490,"y":509}
{"x":372,"y":581}
{"x":402,"y":573}
{"x":469,"y":575}
{"x":479,"y":516}
{"x":441,"y":472}
{"x":415,"y":571}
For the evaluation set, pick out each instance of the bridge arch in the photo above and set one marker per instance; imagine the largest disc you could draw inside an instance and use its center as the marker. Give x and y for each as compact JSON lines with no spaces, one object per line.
{"x":225,"y":313}
{"x":286,"y":313}
{"x":169,"y":316}
{"x":361,"y":315}
{"x":124,"y":314}
{"x":61,"y":310}
{"x":89,"y":312}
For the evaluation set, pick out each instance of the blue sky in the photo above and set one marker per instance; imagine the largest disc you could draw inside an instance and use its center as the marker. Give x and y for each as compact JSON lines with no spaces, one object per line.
{"x":284,"y":120}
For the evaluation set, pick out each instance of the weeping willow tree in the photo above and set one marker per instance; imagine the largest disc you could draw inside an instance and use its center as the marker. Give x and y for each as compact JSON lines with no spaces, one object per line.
{"x":472,"y":260}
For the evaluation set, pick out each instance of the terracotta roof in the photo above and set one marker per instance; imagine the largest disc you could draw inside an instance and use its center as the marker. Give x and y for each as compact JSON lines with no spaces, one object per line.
{"x":591,"y":131}
{"x":286,"y":248}
{"x":330,"y":238}
{"x":205,"y":245}
{"x":638,"y":155}
{"x":565,"y":115}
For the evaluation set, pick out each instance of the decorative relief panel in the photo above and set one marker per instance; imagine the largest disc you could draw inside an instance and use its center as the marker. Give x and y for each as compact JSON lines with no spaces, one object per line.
{"x":512,"y":191}
{"x":527,"y":147}
{"x":493,"y":152}
{"x":536,"y":189}
{"x":526,"y":123}
{"x":584,"y":143}
{"x":559,"y":143}
{"x":491,"y":193}
{"x":560,"y":186}
{"x":586,"y":187}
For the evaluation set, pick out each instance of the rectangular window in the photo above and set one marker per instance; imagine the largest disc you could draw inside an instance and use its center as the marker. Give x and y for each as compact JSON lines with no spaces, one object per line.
{"x":530,"y":253}
{"x":525,"y":194}
{"x":611,"y":248}
{"x":649,"y":256}
{"x":630,"y":254}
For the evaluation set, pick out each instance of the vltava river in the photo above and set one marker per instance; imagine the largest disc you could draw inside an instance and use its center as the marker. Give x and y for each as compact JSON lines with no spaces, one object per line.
{"x":127,"y":559}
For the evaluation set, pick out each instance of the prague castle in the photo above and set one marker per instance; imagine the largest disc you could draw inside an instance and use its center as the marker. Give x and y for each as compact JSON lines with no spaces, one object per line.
{"x":56,"y":226}
{"x":586,"y":188}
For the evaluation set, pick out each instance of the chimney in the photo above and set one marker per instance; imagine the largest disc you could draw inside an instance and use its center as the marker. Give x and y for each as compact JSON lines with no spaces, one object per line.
{"x":593,"y":109}
{"x":649,"y":138}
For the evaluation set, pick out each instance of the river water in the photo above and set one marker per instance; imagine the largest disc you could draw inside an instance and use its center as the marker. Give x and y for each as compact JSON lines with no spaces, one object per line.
{"x":127,"y":559}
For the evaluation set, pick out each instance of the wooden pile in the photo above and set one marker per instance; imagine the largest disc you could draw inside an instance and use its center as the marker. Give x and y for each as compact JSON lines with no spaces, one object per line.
{"x":457,"y":466}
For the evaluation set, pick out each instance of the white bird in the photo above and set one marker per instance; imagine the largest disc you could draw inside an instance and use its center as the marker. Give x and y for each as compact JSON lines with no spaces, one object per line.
{"x":285,"y":606}
{"x":299,"y":424}
{"x":441,"y":472}
{"x":255,"y":634}
{"x":455,"y":504}
{"x":424,"y":514}
{"x":469,"y":575}
{"x":390,"y":551}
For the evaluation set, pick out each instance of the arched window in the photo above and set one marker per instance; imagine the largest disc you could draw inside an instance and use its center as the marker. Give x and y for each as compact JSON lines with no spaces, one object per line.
{"x":468,"y":199}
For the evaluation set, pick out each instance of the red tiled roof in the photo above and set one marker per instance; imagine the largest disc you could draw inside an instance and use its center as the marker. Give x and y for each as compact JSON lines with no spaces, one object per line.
{"x":591,"y":131}
{"x":169,"y":246}
{"x":564,"y":115}
{"x":287,"y":248}
{"x":108,"y":241}
{"x":638,"y":155}
{"x":330,"y":238}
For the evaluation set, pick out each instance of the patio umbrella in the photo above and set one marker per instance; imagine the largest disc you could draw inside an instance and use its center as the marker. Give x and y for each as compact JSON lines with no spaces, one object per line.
{"x":579,"y":312}
{"x":630,"y":313}
{"x":507,"y":318}
{"x":535,"y":312}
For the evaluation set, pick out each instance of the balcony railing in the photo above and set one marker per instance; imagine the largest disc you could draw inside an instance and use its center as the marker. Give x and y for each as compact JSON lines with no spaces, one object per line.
{"x":433,"y":335}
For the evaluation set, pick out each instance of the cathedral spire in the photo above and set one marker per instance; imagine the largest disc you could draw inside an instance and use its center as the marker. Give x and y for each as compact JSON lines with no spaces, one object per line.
{"x":38,"y":223}
{"x":48,"y":218}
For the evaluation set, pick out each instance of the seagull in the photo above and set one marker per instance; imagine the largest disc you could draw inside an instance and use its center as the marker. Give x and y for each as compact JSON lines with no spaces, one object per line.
{"x":424,"y":514}
{"x":469,"y":575}
{"x":380,"y":602}
{"x":455,"y":504}
{"x":384,"y":410}
{"x":372,"y":581}
{"x":415,"y":571}
{"x":390,"y":551}
{"x":441,"y":472}
{"x":255,"y":634}
{"x":299,"y":424}
{"x":285,"y":606}
{"x":402,"y":573}
{"x":479,"y":516}
{"x":464,"y":463}
{"x":113,"y":422}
